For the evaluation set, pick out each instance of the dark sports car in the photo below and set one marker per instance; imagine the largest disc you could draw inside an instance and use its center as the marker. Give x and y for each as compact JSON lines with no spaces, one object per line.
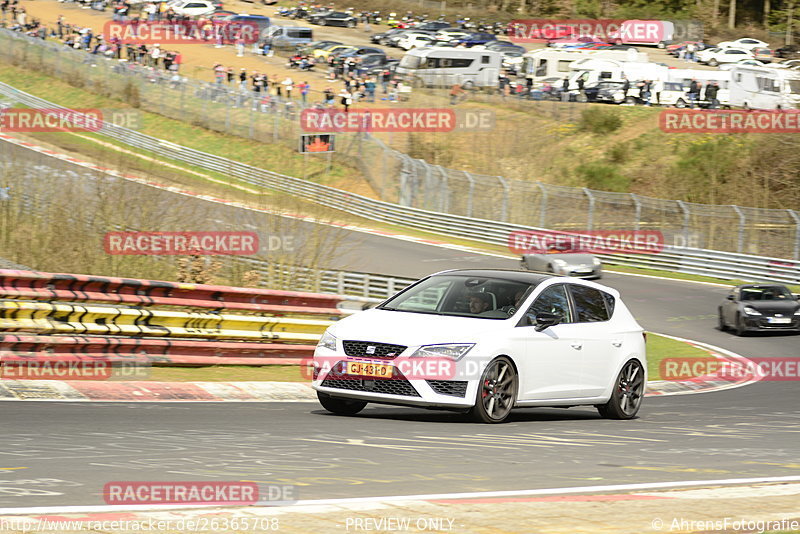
{"x":760,"y":307}
{"x":334,"y":18}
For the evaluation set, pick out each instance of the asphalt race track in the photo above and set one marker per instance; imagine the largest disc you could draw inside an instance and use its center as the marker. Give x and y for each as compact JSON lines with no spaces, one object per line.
{"x":62,"y":454}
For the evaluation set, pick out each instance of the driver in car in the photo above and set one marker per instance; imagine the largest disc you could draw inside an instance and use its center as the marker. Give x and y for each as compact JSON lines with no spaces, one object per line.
{"x":479,"y":302}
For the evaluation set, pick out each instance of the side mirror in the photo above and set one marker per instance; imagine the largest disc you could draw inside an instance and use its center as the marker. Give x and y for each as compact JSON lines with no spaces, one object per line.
{"x":730,"y":297}
{"x":543,"y":320}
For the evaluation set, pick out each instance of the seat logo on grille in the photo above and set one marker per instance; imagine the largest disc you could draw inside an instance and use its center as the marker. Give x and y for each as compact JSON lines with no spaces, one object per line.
{"x":370,"y":349}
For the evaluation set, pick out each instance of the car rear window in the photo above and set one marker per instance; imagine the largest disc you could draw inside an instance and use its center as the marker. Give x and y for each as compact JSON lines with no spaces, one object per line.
{"x":589,"y":303}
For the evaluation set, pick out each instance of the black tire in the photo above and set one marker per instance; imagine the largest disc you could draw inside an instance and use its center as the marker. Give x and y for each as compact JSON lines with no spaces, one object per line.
{"x":340,"y":406}
{"x":497,"y":392}
{"x":740,"y":328}
{"x":722,"y":326}
{"x":630,"y":100}
{"x":713,"y":62}
{"x":468,"y":85}
{"x":626,"y":398}
{"x":351,"y":24}
{"x":680,"y":104}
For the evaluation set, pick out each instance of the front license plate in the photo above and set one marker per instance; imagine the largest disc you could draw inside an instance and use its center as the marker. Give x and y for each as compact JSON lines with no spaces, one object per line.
{"x":369,"y":369}
{"x":779,"y":320}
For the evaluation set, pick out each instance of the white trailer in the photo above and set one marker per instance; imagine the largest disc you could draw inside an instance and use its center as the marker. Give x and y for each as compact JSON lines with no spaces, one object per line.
{"x":754,"y":87}
{"x":541,"y":64}
{"x":444,"y":67}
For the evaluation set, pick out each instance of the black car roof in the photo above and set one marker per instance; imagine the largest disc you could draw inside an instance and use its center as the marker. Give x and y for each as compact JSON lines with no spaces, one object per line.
{"x":508,"y":274}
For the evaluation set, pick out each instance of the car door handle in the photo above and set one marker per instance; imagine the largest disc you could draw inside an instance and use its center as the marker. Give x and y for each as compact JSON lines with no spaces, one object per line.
{"x":617,"y":343}
{"x":576,"y":346}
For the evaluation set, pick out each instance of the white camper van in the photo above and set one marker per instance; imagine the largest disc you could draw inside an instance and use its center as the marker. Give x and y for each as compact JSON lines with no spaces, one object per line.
{"x":764,"y":88}
{"x":443,"y":67}
{"x":541,"y":64}
{"x":593,"y":71}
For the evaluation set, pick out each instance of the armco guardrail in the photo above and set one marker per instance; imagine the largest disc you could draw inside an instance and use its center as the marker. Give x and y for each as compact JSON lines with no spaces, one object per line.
{"x":158,"y":322}
{"x":719,"y":264}
{"x":83,"y":288}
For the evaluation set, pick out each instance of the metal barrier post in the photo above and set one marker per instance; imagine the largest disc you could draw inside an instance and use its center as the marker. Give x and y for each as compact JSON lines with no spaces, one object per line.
{"x":685,"y":210}
{"x":638,"y":207}
{"x":471,"y":190}
{"x":542,"y":205}
{"x":504,"y":211}
{"x":794,"y":215}
{"x":740,"y":239}
{"x":444,"y":205}
{"x":590,"y":216}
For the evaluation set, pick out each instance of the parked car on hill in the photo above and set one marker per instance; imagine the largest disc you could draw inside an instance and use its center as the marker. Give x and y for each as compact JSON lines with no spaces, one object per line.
{"x":745,"y":43}
{"x":334,"y":18}
{"x":718,"y":56}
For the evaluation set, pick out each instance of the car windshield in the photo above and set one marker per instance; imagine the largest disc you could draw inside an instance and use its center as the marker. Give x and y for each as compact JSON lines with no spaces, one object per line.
{"x":766,"y":293}
{"x":410,"y":62}
{"x":794,"y":86}
{"x":462,"y":296}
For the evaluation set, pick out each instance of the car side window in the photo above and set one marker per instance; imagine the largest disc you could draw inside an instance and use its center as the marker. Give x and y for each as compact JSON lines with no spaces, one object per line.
{"x":589,"y":304}
{"x":552,"y":300}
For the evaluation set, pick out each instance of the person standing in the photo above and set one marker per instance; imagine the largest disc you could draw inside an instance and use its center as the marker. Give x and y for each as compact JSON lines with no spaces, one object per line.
{"x":304,"y":89}
{"x":288,"y":86}
{"x":346,"y":99}
{"x":243,"y":78}
{"x":658,"y":87}
{"x":711,"y":95}
{"x":455,"y":93}
{"x":694,"y":93}
{"x":369,"y":87}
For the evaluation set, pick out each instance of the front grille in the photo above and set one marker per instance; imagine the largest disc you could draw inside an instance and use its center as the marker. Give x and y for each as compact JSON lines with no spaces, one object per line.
{"x":392,"y":386}
{"x":397,"y":385}
{"x":381,"y":350}
{"x":455,"y":388}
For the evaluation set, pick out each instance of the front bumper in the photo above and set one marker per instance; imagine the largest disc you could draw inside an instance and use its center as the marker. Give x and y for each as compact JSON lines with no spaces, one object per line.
{"x":766,"y":323}
{"x":447,"y":392}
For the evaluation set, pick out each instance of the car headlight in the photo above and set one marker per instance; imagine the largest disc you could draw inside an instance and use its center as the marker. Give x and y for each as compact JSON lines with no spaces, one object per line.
{"x":559,"y":263}
{"x":750,"y":311}
{"x":328,"y":341}
{"x":597,"y":262}
{"x":454,"y":351}
{"x":797,"y":311}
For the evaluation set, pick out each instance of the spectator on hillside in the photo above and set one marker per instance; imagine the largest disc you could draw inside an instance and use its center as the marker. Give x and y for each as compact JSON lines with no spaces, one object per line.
{"x":456,"y":92}
{"x":694,"y":93}
{"x":346,"y":99}
{"x":304,"y":88}
{"x":711,"y":95}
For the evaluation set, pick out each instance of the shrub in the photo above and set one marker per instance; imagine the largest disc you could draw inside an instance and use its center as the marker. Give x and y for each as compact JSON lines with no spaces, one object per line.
{"x":600,"y":120}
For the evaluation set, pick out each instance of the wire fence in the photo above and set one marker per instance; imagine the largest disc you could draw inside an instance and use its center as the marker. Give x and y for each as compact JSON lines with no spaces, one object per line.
{"x":397,"y":177}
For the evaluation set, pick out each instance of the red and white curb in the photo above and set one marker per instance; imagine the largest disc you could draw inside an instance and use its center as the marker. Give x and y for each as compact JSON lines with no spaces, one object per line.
{"x":705,"y":383}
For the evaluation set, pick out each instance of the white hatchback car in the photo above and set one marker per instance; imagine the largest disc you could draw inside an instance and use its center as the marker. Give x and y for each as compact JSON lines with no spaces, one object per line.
{"x":484,"y":342}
